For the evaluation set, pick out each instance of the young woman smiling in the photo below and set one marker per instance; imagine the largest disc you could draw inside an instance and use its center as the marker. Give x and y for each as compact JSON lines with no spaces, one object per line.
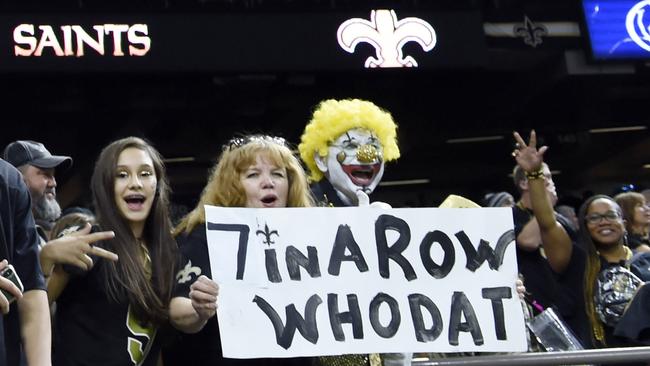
{"x":110,"y":314}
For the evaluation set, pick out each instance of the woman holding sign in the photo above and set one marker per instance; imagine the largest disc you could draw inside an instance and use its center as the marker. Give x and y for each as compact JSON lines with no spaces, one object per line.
{"x":111,"y":313}
{"x":253,"y":171}
{"x":615,"y":299}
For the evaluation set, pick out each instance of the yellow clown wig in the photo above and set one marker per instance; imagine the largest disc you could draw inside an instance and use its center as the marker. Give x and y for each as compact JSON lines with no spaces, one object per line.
{"x":332,"y":118}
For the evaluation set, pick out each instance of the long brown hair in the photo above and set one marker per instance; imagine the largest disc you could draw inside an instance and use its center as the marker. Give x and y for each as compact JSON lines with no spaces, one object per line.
{"x":628,"y":202}
{"x":126,"y":279}
{"x":592,"y":269}
{"x":224,"y":187}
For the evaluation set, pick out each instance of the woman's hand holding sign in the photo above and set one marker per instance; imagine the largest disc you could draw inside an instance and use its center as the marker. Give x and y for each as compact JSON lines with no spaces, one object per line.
{"x":189,"y":315}
{"x":203,"y":294}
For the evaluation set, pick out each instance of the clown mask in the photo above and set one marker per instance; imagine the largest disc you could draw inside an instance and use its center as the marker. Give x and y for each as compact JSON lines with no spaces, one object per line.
{"x":354,"y":162}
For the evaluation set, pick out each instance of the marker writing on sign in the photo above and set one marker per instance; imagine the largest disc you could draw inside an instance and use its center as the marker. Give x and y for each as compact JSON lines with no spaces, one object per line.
{"x":344,"y":242}
{"x":461,"y":318}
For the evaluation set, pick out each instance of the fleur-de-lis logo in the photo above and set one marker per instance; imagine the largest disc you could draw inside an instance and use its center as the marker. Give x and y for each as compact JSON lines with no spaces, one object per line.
{"x":531,"y":33}
{"x":388,"y":35}
{"x":186,"y":273}
{"x":637,"y":27}
{"x":267,"y":234}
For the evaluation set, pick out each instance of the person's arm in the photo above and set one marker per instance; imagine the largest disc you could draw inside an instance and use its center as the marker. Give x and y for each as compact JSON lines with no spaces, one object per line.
{"x":642,"y":248}
{"x":56,"y":283}
{"x":183,"y":316}
{"x":33,"y":310}
{"x":189,"y":315}
{"x":75,"y":249}
{"x":556,"y":241}
{"x":35,"y":327}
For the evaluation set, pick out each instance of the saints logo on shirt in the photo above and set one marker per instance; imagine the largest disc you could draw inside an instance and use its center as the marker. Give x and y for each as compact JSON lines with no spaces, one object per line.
{"x":186,"y":273}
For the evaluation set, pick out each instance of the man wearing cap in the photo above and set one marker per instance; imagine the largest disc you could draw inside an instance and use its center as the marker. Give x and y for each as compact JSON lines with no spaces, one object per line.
{"x":38,"y":165}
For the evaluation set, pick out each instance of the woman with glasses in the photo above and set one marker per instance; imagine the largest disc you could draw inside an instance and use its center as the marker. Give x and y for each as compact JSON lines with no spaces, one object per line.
{"x":253,"y":171}
{"x":608,"y":285}
{"x":636,"y":213}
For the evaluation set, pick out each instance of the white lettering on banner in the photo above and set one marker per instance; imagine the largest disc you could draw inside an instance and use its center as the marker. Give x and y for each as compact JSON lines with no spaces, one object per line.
{"x":327,"y":281}
{"x":637,"y":23}
{"x":387,"y":35}
{"x":33,"y":40}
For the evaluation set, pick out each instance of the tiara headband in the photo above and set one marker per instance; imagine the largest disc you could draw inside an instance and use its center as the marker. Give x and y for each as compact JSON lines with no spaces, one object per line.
{"x":237,"y":142}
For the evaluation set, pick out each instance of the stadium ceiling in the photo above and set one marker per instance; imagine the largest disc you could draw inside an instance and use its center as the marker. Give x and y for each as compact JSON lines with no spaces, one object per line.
{"x":455,"y":122}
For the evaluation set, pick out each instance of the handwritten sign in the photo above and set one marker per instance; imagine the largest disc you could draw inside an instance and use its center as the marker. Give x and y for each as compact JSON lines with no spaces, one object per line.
{"x":327,"y":281}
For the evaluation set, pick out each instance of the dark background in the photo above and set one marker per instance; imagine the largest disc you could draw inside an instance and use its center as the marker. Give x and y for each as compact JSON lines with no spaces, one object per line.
{"x":553,"y":87}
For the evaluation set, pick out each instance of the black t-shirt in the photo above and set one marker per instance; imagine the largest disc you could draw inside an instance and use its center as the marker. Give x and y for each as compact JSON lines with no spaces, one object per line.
{"x":635,"y":240}
{"x":564,"y":292}
{"x":92,"y":329}
{"x":204,"y":347}
{"x":19,"y":245}
{"x":325,"y":194}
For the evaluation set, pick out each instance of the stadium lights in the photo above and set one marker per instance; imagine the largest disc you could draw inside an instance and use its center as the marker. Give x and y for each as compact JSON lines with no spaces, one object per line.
{"x":182,"y":159}
{"x":474,"y":139}
{"x":405,"y":182}
{"x":618,"y":129}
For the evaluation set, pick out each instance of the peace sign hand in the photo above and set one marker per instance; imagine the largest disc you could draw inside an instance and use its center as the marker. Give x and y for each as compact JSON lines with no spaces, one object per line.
{"x":528,"y":157}
{"x":75,"y":249}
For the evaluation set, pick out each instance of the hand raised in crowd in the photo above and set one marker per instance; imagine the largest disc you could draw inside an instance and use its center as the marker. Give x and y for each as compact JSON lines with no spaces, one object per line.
{"x":8,"y":286}
{"x":528,"y":156}
{"x":75,"y":249}
{"x":203,"y":294}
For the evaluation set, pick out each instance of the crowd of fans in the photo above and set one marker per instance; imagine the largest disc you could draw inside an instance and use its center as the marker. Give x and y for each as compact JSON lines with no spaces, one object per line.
{"x":115,"y":277}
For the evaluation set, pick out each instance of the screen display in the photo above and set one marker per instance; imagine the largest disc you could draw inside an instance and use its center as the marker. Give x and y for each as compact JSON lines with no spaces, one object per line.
{"x":618,"y":29}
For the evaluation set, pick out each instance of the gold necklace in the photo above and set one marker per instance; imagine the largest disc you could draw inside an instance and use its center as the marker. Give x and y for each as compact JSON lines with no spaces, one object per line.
{"x":145,"y":257}
{"x":627,"y":253}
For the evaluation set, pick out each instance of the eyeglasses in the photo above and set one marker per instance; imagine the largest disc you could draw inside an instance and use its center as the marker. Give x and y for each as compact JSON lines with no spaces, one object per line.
{"x":609,"y":216}
{"x":237,"y":142}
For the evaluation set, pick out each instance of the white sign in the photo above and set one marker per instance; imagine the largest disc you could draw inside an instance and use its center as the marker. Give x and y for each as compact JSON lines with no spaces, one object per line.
{"x":328,"y":281}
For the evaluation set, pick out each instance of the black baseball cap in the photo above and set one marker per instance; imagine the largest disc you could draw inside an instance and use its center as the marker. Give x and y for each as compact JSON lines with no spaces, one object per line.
{"x":34,"y":153}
